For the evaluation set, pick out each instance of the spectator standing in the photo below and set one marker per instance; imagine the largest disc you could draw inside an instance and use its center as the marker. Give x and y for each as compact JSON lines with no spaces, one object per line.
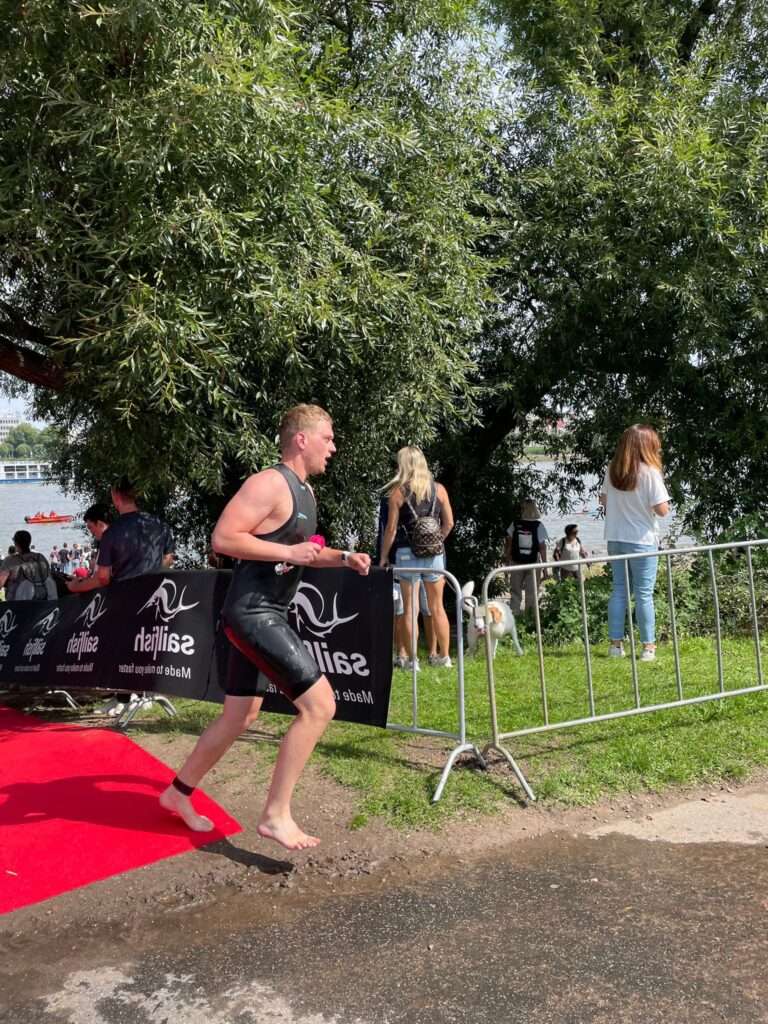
{"x":135,"y":543}
{"x":97,"y":519}
{"x":53,"y":558}
{"x":423,"y":508}
{"x":568,"y":551}
{"x":525,"y":544}
{"x":633,"y":496}
{"x":64,"y":559}
{"x":26,"y":574}
{"x":401,"y":638}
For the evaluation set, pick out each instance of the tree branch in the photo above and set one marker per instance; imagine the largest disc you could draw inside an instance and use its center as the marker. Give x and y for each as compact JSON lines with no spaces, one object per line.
{"x":28,"y":365}
{"x":694,"y":28}
{"x":17,"y":327}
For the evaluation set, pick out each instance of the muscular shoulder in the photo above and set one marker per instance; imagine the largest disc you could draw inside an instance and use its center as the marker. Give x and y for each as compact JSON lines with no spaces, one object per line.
{"x":265,"y":483}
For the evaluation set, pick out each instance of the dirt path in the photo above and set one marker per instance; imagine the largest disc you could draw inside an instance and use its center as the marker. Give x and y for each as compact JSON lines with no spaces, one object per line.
{"x":536,"y":915}
{"x":357,"y":861}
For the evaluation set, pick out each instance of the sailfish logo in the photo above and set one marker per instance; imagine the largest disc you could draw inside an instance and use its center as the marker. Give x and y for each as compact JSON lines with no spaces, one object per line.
{"x":7,"y":623}
{"x":93,"y":612}
{"x":44,"y":626}
{"x":308,"y":606}
{"x":167,"y":602}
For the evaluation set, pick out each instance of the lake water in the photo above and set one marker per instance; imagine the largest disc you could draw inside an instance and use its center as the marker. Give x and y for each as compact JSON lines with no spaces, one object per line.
{"x":19,"y":500}
{"x":591,"y":526}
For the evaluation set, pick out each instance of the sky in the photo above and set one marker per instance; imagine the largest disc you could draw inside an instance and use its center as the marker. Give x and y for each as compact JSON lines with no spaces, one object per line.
{"x":16,"y":407}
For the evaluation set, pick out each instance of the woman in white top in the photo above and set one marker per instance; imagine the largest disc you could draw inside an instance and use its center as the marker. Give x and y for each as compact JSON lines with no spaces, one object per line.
{"x":633,"y":495}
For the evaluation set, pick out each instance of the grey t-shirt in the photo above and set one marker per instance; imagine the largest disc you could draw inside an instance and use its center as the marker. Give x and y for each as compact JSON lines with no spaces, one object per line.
{"x":135,"y":544}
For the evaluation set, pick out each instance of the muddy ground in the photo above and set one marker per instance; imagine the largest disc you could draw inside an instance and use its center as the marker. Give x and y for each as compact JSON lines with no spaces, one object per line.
{"x":357,"y":861}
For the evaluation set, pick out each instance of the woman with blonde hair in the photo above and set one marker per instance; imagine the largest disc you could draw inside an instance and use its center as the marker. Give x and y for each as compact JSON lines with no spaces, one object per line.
{"x":415,"y":498}
{"x":634,"y":495}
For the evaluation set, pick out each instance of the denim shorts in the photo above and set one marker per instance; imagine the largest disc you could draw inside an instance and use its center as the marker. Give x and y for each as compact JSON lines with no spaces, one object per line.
{"x":405,"y":559}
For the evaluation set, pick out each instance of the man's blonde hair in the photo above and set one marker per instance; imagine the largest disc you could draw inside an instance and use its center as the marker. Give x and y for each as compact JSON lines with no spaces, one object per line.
{"x":299,"y":418}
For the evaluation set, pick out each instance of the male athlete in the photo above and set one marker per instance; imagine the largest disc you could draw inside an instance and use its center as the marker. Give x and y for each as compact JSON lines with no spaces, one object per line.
{"x":266,"y":527}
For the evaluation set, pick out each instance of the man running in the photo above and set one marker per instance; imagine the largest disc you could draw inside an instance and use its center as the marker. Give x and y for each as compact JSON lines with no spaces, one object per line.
{"x":267,"y":526}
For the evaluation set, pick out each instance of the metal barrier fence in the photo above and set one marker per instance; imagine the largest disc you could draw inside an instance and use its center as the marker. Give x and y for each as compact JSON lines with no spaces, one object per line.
{"x":592,"y":716}
{"x":462,"y":745}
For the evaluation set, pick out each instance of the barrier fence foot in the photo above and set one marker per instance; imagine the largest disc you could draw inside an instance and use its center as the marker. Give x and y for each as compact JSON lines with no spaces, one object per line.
{"x":513,"y":765}
{"x":68,"y":698}
{"x":462,"y":748}
{"x":146,"y":700}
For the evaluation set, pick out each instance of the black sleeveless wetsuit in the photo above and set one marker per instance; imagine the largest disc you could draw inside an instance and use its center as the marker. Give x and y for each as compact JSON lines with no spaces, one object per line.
{"x":255,"y":611}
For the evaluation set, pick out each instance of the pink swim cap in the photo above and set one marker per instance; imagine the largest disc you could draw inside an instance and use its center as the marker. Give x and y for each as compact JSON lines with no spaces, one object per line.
{"x":318,"y":538}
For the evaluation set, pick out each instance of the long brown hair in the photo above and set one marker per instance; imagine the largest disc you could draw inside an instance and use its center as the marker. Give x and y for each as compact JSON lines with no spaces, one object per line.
{"x":638,"y":444}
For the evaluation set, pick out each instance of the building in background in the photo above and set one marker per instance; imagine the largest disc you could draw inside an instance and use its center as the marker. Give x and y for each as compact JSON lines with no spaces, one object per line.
{"x":7,"y":422}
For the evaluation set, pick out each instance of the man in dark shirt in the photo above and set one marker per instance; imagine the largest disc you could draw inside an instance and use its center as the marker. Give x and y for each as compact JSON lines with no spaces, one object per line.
{"x":134,"y":544}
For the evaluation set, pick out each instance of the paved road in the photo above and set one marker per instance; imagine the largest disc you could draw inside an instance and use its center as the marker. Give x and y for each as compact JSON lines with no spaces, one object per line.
{"x":603,"y":928}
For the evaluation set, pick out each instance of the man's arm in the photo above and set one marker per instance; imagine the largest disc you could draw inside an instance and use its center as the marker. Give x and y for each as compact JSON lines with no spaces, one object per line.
{"x":254,"y":504}
{"x":101,"y":578}
{"x":169,"y":548}
{"x":328,"y":558}
{"x":507,"y":549}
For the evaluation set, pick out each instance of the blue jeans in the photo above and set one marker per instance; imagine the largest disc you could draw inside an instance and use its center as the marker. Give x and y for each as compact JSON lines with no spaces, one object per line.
{"x":642,"y":574}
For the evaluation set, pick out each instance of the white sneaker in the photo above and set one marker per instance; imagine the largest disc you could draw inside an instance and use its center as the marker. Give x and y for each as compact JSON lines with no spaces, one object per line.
{"x":615,"y":652}
{"x":400,"y":661}
{"x":649,"y":654}
{"x":410,"y":663}
{"x":440,"y":661}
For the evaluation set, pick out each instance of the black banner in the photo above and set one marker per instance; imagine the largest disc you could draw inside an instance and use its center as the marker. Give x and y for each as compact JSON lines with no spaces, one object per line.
{"x":160,"y":633}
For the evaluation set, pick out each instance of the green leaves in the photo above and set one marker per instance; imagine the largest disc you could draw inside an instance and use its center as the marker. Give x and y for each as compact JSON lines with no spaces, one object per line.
{"x":217,"y":213}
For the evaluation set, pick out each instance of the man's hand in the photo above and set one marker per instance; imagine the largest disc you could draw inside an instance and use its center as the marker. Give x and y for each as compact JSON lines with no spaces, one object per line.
{"x":360,"y":562}
{"x":101,"y":578}
{"x":303,"y":554}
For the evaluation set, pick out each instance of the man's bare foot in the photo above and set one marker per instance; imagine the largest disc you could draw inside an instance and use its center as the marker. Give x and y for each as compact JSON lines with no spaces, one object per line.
{"x":175,"y":802}
{"x":286,"y":832}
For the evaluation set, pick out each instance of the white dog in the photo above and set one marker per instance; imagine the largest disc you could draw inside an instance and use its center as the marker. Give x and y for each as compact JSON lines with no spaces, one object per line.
{"x":495,"y":617}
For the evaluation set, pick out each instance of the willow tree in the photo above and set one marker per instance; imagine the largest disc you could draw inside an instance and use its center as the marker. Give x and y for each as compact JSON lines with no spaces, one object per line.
{"x":210,"y":211}
{"x":630,"y":235}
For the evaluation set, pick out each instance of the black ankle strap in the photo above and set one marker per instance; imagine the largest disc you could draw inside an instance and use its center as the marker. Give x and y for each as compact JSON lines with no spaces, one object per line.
{"x":182,"y":787}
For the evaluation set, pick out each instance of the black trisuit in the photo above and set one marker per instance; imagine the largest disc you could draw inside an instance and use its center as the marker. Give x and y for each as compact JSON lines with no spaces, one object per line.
{"x":255,"y":611}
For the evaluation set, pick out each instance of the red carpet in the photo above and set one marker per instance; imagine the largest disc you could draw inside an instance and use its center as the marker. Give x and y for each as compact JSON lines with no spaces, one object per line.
{"x":80,"y":804}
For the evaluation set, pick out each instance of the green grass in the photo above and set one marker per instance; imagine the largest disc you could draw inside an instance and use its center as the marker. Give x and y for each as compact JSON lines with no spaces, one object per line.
{"x":393,"y":775}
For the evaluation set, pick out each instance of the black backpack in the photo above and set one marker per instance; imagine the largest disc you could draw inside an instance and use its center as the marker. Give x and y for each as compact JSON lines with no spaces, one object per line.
{"x":525,"y":541}
{"x":34,"y":581}
{"x":425,"y":536}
